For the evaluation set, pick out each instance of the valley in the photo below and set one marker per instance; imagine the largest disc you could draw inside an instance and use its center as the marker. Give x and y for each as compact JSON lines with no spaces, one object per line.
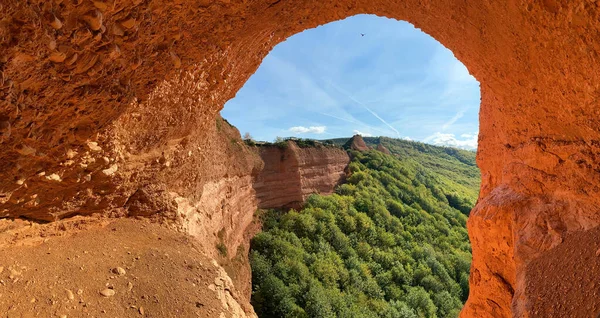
{"x":390,"y":242}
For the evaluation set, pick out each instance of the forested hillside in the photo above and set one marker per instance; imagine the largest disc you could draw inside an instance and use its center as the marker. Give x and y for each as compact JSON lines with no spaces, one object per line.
{"x":454,"y":170}
{"x":391,"y":242}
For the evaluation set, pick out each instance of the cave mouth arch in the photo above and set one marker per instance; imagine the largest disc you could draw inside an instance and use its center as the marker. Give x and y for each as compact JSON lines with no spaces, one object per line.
{"x":159,"y":72}
{"x":364,"y":75}
{"x":322,"y":83}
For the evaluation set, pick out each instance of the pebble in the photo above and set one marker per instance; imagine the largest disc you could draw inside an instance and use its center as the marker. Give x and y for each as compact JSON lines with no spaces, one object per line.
{"x":71,"y":154}
{"x":56,"y":24}
{"x":54,"y":177}
{"x":111,"y":170}
{"x":93,"y":146}
{"x":129,"y":286}
{"x":107,"y":292}
{"x":70,"y":295}
{"x":142,"y":311}
{"x":57,"y":57}
{"x":119,"y":270}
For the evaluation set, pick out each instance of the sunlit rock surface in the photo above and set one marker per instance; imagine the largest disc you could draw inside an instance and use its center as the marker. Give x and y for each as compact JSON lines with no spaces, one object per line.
{"x":113,"y":106}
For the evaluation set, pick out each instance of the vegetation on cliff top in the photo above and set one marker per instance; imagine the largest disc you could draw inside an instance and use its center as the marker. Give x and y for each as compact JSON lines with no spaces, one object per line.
{"x":451,"y":169}
{"x":283,"y":143}
{"x":391,"y":242}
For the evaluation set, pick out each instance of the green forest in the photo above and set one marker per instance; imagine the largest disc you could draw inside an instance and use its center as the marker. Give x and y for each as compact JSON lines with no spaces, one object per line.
{"x":391,"y":242}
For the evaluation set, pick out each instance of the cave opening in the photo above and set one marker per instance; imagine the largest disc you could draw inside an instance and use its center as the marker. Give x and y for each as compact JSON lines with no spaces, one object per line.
{"x":113,"y":106}
{"x":398,"y":91}
{"x":366,"y":75}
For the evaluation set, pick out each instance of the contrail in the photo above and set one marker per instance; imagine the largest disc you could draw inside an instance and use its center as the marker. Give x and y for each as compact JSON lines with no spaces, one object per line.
{"x":335,"y":135}
{"x":340,"y":118}
{"x":456,"y":117}
{"x":365,"y":107}
{"x":383,"y":121}
{"x":352,"y":121}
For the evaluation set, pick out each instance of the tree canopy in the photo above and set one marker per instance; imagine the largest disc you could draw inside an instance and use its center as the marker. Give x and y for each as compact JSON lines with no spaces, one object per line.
{"x":391,"y":242}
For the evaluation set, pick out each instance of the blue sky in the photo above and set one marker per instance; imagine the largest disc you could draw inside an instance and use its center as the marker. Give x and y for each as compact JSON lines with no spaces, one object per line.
{"x":331,"y":82}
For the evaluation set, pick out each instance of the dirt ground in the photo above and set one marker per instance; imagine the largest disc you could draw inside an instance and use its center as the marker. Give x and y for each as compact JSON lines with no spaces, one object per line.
{"x":143,"y":269}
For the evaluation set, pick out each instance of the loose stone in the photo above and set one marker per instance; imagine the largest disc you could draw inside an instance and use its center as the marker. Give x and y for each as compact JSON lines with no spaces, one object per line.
{"x":119,"y":270}
{"x":107,"y":292}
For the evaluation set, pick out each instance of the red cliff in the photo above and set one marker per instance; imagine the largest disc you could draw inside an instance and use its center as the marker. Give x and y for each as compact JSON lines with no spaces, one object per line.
{"x":357,"y":143}
{"x":292,"y":173}
{"x":383,"y":149}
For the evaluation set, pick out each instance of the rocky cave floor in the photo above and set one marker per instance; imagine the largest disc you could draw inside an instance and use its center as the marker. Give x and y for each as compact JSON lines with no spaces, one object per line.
{"x":565,"y":280}
{"x":97,"y":267}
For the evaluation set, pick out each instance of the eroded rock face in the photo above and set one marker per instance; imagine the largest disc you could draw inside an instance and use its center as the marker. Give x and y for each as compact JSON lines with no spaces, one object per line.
{"x":357,"y":143}
{"x":141,"y":83}
{"x":383,"y":149}
{"x":291,"y":174}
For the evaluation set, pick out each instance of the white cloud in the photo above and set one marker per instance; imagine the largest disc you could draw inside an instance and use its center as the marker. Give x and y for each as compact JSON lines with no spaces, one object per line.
{"x":466,"y":141}
{"x":364,"y":134}
{"x":308,"y":130}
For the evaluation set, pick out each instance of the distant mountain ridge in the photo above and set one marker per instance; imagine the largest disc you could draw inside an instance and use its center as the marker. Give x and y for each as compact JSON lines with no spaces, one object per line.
{"x":449,"y":168}
{"x":452,"y":168}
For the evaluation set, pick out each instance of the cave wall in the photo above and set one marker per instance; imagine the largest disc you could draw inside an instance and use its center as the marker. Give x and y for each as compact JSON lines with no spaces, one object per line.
{"x":113,"y":105}
{"x":291,"y":174}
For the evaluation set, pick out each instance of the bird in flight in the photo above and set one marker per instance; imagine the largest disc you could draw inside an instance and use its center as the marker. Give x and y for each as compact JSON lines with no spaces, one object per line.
{"x":362,"y":34}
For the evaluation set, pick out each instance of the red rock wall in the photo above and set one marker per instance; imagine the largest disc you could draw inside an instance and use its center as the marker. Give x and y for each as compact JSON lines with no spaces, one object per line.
{"x":291,"y":174}
{"x":383,"y":149}
{"x":102,"y":101}
{"x":357,"y":143}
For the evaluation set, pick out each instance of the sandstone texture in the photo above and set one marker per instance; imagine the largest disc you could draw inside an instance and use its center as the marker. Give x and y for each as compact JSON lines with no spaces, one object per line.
{"x":114,"y":106}
{"x":291,"y":174}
